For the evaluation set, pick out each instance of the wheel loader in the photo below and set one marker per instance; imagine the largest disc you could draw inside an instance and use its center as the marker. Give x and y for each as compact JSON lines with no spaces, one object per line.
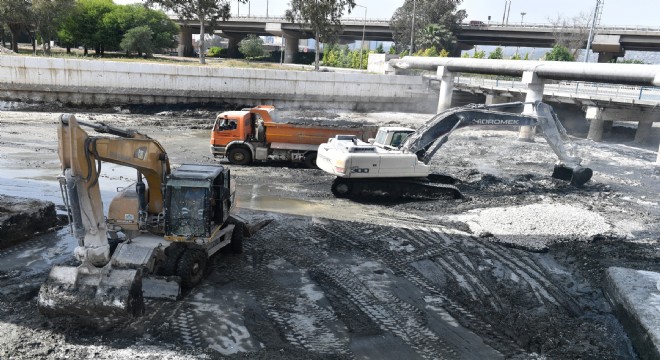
{"x":157,"y":236}
{"x":396,"y":162}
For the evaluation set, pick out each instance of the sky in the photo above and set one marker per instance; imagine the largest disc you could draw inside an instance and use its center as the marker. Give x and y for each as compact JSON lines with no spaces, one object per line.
{"x":615,"y":12}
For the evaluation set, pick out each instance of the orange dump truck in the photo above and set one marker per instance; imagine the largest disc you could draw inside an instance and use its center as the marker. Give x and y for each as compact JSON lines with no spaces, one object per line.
{"x":252,"y":135}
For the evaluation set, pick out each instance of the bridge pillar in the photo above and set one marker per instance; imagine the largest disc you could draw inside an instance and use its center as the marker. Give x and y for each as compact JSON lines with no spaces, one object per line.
{"x":446,"y":88}
{"x":606,"y":57}
{"x":232,"y":46}
{"x":290,"y":48}
{"x":657,"y":162}
{"x":534,"y":93}
{"x":185,"y":47}
{"x":492,"y":99}
{"x":596,"y":123}
{"x":643,"y":132}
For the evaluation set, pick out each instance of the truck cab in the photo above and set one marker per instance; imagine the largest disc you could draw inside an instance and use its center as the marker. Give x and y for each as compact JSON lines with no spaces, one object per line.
{"x":239,"y":126}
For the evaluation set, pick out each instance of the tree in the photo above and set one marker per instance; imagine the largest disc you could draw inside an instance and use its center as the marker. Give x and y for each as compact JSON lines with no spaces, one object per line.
{"x":437,"y":37}
{"x":84,"y":25}
{"x":48,"y":15}
{"x":323,"y":16}
{"x":126,"y":17}
{"x":440,"y":12}
{"x":572,"y":33}
{"x":559,"y":53}
{"x":16,"y":15}
{"x":201,"y":11}
{"x":251,"y":47}
{"x":138,"y":40}
{"x":379,"y":49}
{"x":496,"y":54}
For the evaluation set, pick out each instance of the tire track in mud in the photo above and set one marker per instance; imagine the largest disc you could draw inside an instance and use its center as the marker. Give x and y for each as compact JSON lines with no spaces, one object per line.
{"x":302,"y":322}
{"x":386,"y":310}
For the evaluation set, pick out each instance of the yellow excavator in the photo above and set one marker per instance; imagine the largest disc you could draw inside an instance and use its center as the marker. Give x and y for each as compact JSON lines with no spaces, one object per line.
{"x":157,"y":237}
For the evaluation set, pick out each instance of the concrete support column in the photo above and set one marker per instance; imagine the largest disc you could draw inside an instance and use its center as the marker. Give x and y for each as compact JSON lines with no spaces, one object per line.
{"x":446,"y":88}
{"x":657,"y":162}
{"x":606,"y":57}
{"x":232,"y":47}
{"x":185,"y":47}
{"x":290,"y":49}
{"x":596,"y":123}
{"x":643,"y":132}
{"x":492,"y":99}
{"x":534,"y":93}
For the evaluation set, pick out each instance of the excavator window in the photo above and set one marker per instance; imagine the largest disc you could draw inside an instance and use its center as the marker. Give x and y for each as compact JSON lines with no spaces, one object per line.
{"x":188,"y":207}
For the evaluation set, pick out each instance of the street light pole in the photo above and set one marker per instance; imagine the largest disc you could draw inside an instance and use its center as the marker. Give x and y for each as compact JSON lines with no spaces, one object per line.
{"x":594,"y":19}
{"x":522,"y":16}
{"x":412,"y":30}
{"x":266,"y":9}
{"x":364,"y":27}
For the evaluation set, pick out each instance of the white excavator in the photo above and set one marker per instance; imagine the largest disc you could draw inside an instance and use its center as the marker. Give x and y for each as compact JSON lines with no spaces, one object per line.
{"x":396,"y":162}
{"x":157,"y":237}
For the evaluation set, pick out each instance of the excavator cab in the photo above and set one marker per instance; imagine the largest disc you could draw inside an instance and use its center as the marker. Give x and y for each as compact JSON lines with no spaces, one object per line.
{"x":197,"y":200}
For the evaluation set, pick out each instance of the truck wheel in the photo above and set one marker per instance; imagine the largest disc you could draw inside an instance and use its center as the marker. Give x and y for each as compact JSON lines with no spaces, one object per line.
{"x":239,"y":156}
{"x":236,"y":244}
{"x":191,"y":267}
{"x":310,"y":160}
{"x":341,"y":188}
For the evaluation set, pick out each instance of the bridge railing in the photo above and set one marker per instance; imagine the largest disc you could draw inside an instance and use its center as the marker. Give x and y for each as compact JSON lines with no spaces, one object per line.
{"x":648,"y":93}
{"x":551,"y":26}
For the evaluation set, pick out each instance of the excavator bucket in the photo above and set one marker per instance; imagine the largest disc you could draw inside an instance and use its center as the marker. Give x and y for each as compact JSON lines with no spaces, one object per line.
{"x":577,"y":177}
{"x":85,"y":292}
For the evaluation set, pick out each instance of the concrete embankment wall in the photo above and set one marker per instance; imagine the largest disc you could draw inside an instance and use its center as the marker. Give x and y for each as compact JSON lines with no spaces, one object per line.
{"x":108,"y":83}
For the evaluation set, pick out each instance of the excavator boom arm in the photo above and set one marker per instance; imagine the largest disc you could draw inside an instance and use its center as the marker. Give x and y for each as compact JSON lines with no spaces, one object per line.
{"x":428,"y":139}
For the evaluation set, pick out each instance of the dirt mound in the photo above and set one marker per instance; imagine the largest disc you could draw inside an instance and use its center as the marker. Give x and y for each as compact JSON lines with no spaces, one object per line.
{"x":22,"y":218}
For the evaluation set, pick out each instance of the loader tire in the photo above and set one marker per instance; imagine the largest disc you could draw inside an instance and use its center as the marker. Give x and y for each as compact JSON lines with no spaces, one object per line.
{"x":310,"y":161}
{"x":191,"y":267}
{"x":239,"y":156}
{"x":236,"y":244}
{"x":173,"y":253}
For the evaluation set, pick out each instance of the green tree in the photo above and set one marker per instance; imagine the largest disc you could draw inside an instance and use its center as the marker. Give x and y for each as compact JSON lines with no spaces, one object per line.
{"x":559,"y":53}
{"x":84,"y":25}
{"x":322,"y":16}
{"x":251,"y":47}
{"x":126,"y":17}
{"x":426,"y":12}
{"x":138,"y":40}
{"x":379,"y":49}
{"x":47,"y":16}
{"x":479,"y":54}
{"x":202,"y":12}
{"x":437,"y":37}
{"x":443,"y":53}
{"x":496,"y":54}
{"x":16,"y":15}
{"x":392,"y":50}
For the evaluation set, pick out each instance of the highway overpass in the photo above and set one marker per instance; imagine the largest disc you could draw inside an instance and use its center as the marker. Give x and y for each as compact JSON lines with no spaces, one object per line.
{"x":610,"y":41}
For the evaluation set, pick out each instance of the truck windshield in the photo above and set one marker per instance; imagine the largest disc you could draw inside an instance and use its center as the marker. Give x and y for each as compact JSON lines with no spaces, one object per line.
{"x":186,"y":212}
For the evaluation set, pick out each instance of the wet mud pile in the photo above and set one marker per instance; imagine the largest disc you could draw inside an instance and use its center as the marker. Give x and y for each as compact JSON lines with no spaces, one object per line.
{"x":513,"y":270}
{"x":22,"y":218}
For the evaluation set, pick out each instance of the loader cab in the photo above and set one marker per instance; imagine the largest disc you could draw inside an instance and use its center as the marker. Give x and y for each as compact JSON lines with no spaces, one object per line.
{"x":392,"y":137}
{"x":198,"y":199}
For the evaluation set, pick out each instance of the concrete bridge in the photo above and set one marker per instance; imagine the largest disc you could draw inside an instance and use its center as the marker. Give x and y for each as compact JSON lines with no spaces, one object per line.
{"x":536,"y":75}
{"x":610,"y":42}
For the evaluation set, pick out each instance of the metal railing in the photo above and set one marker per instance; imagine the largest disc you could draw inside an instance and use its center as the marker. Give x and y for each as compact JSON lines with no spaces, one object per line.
{"x":551,"y":26}
{"x":627,"y":92}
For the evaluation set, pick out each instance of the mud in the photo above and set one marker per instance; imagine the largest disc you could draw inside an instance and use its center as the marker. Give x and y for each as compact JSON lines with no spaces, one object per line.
{"x":514,"y":270}
{"x":22,"y":218}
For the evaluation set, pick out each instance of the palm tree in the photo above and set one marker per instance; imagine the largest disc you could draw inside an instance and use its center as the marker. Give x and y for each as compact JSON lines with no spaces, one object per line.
{"x":435,"y":36}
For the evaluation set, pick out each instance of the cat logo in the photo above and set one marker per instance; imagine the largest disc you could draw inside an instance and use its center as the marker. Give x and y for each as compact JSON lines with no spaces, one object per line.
{"x":140,"y":153}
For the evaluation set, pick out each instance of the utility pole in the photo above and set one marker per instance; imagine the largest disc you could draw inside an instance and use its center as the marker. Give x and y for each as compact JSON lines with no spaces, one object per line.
{"x":522,"y":16}
{"x":598,"y":11}
{"x":506,"y":4}
{"x":412,"y":31}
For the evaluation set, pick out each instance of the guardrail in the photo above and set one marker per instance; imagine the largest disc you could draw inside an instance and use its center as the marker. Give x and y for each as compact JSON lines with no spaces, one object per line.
{"x":648,"y":93}
{"x":551,"y":26}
